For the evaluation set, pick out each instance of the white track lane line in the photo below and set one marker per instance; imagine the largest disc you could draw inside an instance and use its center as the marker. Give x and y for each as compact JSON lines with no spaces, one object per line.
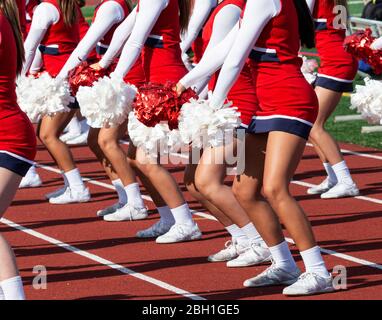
{"x":210,"y":217}
{"x":103,"y":261}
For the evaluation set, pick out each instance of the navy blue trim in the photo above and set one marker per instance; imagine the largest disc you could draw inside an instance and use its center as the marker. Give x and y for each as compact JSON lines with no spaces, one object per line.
{"x":320,"y":26}
{"x":13,"y":164}
{"x":332,"y":84}
{"x":74,"y":105}
{"x":100,"y":50}
{"x":295,"y":127}
{"x":49,"y":50}
{"x":260,"y":56}
{"x":154,"y":43}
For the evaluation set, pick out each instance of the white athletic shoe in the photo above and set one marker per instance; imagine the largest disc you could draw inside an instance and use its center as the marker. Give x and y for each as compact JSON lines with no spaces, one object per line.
{"x":341,"y":190}
{"x":56,"y":193}
{"x":71,"y":196}
{"x":68,"y":136}
{"x":127,"y":213}
{"x":157,"y":229}
{"x":109,"y":210}
{"x":30,"y":181}
{"x":80,"y":139}
{"x":310,"y":283}
{"x":324,"y":186}
{"x":180,"y":233}
{"x":231,"y":251}
{"x":253,"y":255}
{"x":273,"y":276}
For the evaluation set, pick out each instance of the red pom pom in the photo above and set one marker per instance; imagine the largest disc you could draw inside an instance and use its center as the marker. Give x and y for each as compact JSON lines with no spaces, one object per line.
{"x":84,"y":76}
{"x":358,"y":44}
{"x":158,"y":102}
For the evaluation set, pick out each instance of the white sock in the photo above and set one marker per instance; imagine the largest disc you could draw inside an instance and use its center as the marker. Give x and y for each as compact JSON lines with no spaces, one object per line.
{"x":74,"y":126}
{"x":237,"y":234}
{"x":342,"y":173}
{"x":134,"y":196}
{"x":329,"y":171}
{"x":2,"y":297}
{"x":13,"y":288}
{"x":122,"y":196}
{"x":74,"y":179}
{"x":283,"y":257}
{"x":166,"y":215}
{"x":251,"y":232}
{"x":182,"y":214}
{"x":313,"y":261}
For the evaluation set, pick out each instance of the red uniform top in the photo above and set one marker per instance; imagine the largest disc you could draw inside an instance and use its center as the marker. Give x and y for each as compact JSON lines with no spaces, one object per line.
{"x":59,"y":42}
{"x":32,"y":4}
{"x":242,"y":94}
{"x":22,"y":16}
{"x":162,"y":56}
{"x":104,"y":43}
{"x":279,"y":40}
{"x":324,"y":16}
{"x":16,"y":132}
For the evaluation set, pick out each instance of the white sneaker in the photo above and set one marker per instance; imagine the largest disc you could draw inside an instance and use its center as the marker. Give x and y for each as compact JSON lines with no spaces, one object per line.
{"x":341,"y":190}
{"x":127,"y":213}
{"x":80,"y":139}
{"x":56,"y":193}
{"x":30,"y":181}
{"x":71,"y":196}
{"x":310,"y":283}
{"x":253,"y":255}
{"x":180,"y":233}
{"x":231,"y":251}
{"x":273,"y":276}
{"x":157,"y":229}
{"x":109,"y":210}
{"x":324,"y":186}
{"x":68,"y":136}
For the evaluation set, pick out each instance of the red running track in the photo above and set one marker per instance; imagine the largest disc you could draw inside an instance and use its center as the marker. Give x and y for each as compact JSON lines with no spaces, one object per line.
{"x":87,"y":258}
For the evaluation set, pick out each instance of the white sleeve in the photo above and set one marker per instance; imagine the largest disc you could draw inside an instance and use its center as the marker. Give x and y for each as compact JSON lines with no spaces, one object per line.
{"x":225,"y":28}
{"x":257,"y":14}
{"x":121,"y":34}
{"x":37,"y":63}
{"x":200,"y":13}
{"x":109,"y":14}
{"x":149,"y":12}
{"x":311,"y":4}
{"x":377,"y":44}
{"x":44,"y":16}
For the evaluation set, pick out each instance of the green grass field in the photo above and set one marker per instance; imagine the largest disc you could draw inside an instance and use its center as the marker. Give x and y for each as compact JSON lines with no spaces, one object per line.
{"x":349,"y":132}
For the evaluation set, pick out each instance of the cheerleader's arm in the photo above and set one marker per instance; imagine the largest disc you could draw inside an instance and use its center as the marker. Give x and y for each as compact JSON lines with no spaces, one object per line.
{"x":44,"y":16}
{"x":109,"y":14}
{"x":256,"y":16}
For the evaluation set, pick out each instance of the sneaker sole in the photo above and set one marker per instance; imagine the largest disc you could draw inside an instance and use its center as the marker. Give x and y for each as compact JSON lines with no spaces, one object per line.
{"x":217,"y":260}
{"x":122,"y":220}
{"x":80,"y":201}
{"x":196,"y":237}
{"x":339,"y":196}
{"x":326,"y":290}
{"x":287,"y":283}
{"x":35,"y":185}
{"x":316,"y":192}
{"x":250,"y":265}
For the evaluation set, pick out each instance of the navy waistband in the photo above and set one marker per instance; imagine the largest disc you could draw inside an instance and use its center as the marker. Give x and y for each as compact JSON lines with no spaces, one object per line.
{"x":320,"y":26}
{"x":260,"y":56}
{"x":101,"y":50}
{"x":154,"y":42}
{"x":49,"y":50}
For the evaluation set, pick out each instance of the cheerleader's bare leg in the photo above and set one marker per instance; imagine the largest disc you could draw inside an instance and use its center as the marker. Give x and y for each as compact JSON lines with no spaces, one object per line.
{"x":11,"y":287}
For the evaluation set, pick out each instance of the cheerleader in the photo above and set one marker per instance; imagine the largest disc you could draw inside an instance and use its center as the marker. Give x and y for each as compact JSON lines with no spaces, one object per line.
{"x":335,"y":76}
{"x":154,"y":29}
{"x":17,"y":139}
{"x":105,"y":142}
{"x":193,"y":36}
{"x":205,"y":181}
{"x":55,"y":32}
{"x":286,"y":110}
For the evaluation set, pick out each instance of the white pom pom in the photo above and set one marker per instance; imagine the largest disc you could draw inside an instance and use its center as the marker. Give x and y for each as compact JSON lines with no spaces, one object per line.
{"x":367,"y":100}
{"x":202,"y":125}
{"x":107,"y":103}
{"x":153,"y":139}
{"x":308,"y":69}
{"x":43,"y":96}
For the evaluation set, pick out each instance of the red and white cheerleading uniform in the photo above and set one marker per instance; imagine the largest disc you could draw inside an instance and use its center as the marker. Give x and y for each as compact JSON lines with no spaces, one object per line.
{"x":159,"y":44}
{"x":242,"y":94}
{"x":107,"y":17}
{"x":17,"y":137}
{"x":338,"y":67}
{"x":286,"y":102}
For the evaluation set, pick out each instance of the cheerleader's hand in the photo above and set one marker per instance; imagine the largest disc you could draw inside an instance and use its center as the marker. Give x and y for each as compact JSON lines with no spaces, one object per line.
{"x":179,"y":89}
{"x":96,"y":66}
